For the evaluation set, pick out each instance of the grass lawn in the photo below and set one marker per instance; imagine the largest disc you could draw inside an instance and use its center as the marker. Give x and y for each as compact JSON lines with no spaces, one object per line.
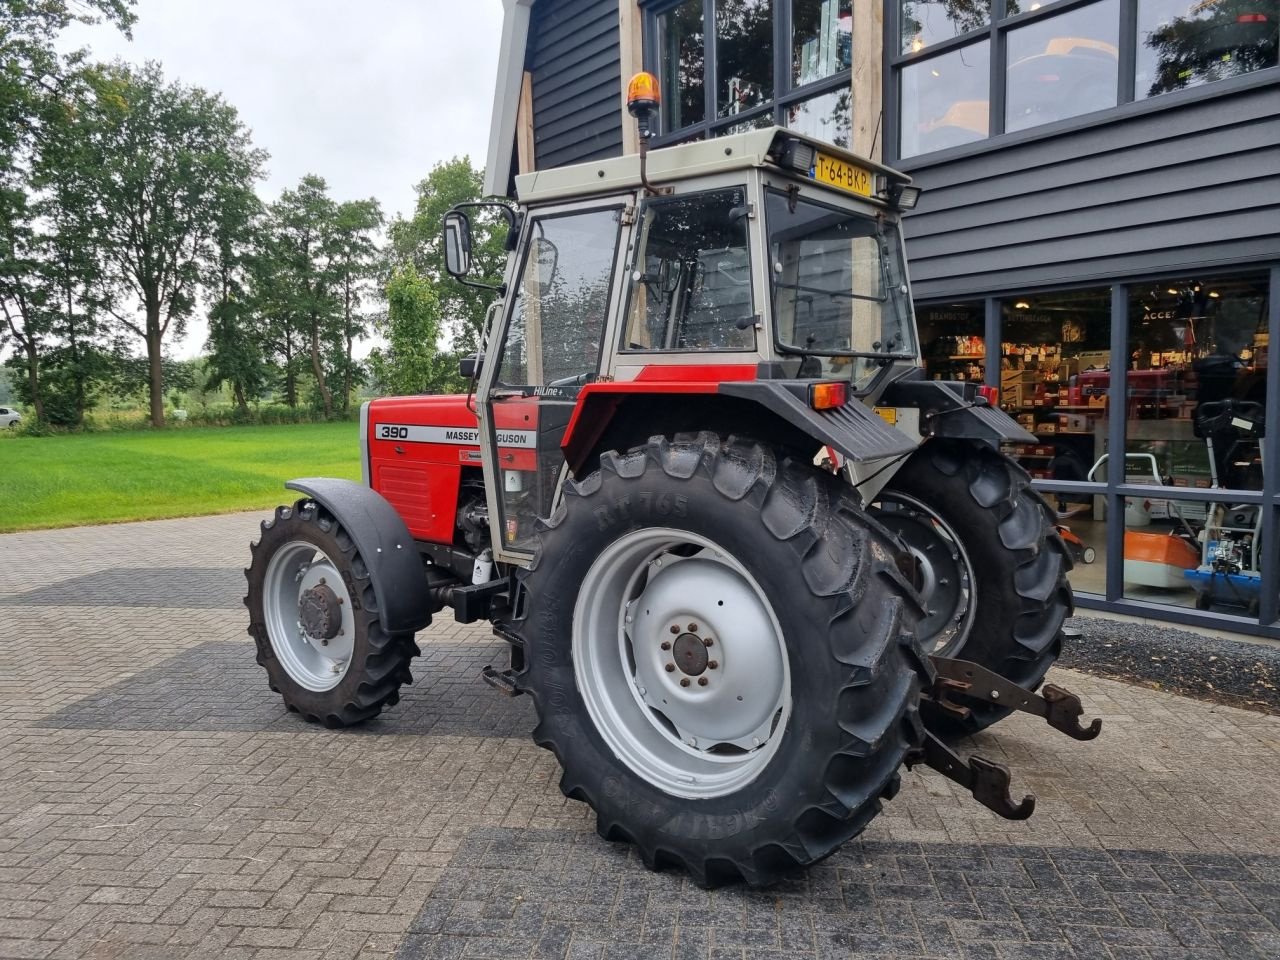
{"x":67,"y":481}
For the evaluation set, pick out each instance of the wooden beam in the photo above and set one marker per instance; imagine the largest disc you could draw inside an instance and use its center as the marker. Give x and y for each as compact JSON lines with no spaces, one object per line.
{"x":868,"y":78}
{"x":631,"y":57}
{"x":525,"y":155}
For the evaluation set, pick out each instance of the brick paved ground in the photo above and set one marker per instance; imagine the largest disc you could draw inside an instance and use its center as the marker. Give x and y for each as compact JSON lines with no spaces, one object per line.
{"x":157,"y":802}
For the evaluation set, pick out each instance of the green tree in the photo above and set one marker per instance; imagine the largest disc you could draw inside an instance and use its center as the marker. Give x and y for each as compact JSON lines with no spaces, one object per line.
{"x":412,"y":361}
{"x":357,"y":266}
{"x":235,"y":342}
{"x":417,"y":242}
{"x":165,"y":163}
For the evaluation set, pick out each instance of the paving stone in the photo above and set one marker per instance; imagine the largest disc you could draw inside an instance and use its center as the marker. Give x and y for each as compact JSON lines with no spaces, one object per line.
{"x":156,"y":800}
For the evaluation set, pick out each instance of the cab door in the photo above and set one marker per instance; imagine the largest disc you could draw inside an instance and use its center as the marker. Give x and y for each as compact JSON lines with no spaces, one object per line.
{"x":549,"y":348}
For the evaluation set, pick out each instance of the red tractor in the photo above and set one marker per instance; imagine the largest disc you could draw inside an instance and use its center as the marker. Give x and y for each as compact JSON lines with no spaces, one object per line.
{"x":732,"y":649}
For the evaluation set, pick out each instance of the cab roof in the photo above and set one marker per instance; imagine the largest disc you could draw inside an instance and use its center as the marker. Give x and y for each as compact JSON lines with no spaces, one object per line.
{"x":755,"y":148}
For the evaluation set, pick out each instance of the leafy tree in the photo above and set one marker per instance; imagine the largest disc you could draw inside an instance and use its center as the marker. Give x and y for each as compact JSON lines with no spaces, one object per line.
{"x":356,"y":266}
{"x":6,"y":386}
{"x":303,"y":248}
{"x":417,"y":242}
{"x":166,"y":164}
{"x":412,"y":361}
{"x":235,"y":342}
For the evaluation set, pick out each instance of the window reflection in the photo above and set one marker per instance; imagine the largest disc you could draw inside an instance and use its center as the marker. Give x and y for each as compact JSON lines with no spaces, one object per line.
{"x":681,"y":42}
{"x":1063,"y":66}
{"x":1184,"y":44}
{"x":828,"y":117}
{"x":945,"y":100}
{"x":744,"y":66}
{"x":821,"y":39}
{"x":925,"y":22}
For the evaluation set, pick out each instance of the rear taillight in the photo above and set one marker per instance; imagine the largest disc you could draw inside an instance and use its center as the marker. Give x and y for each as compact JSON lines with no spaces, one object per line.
{"x":827,"y":396}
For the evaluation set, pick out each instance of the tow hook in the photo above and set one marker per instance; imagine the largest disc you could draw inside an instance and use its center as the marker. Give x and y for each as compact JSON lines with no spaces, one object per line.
{"x":986,"y":780}
{"x":1060,"y":708}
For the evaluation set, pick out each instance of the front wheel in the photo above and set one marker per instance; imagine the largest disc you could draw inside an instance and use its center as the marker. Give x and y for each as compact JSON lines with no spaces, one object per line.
{"x":991,"y":565}
{"x":313,"y":614}
{"x":719,"y":646}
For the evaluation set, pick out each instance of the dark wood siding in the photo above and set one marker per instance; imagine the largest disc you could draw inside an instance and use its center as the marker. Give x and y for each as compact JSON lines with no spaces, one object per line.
{"x":577,"y":81}
{"x":1192,"y":186}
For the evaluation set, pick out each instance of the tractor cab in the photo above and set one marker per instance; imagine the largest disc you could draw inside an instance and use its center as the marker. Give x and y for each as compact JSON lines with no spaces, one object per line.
{"x":761,"y":255}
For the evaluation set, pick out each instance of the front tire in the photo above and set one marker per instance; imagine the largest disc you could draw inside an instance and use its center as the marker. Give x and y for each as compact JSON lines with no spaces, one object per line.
{"x":973,"y":521}
{"x":313,"y":614}
{"x":679,"y":554}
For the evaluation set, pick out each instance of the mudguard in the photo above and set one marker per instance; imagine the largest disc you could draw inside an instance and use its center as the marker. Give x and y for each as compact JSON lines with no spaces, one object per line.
{"x":953,"y":409}
{"x":853,"y":430}
{"x":395,"y":568}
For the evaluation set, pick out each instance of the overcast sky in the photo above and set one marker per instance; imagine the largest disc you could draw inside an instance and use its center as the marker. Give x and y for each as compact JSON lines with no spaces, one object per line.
{"x":368,"y":95}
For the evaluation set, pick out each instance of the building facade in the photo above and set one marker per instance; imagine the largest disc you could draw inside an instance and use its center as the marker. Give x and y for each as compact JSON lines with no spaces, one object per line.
{"x":1098,"y":236}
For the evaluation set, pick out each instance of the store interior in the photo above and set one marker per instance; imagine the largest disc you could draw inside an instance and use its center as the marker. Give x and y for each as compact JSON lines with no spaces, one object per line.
{"x":1192,"y":344}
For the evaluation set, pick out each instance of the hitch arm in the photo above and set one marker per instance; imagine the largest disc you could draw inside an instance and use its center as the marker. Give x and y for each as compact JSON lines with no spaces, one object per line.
{"x":1060,"y":708}
{"x":987,"y":781}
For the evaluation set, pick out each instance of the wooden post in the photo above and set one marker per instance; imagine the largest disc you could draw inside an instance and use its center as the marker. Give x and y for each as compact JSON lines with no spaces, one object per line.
{"x":631,"y":57}
{"x":868,"y":79}
{"x":526,"y":158}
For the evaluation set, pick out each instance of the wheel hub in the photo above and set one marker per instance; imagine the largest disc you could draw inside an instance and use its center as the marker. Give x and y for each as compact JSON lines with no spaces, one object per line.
{"x":320,"y":612}
{"x":691,"y":654}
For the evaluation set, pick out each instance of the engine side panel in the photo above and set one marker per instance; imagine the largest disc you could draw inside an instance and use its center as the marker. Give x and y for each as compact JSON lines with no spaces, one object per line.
{"x":418,"y":447}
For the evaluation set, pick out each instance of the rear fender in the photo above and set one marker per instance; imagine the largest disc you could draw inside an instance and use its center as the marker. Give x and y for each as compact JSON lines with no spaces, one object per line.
{"x":955,"y":410}
{"x":395,"y":568}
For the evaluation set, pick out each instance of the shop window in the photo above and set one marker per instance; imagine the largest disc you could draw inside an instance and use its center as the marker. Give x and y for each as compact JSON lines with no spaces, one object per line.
{"x":951,"y":340}
{"x":945,"y":100}
{"x":1062,"y":66}
{"x":681,"y":41}
{"x":821,"y":39}
{"x":716,"y":63}
{"x":1197,"y":379}
{"x":744,"y":31}
{"x":925,"y":22}
{"x":1054,"y":363}
{"x":1184,"y":44}
{"x":1199,"y":554}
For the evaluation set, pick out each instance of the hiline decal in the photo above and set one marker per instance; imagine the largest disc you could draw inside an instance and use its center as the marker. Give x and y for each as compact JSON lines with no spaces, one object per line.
{"x":465,"y":435}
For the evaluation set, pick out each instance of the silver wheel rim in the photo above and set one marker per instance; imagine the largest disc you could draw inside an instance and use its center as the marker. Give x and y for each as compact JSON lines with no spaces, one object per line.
{"x":945,"y":576}
{"x":315,"y":660}
{"x":662,"y":606}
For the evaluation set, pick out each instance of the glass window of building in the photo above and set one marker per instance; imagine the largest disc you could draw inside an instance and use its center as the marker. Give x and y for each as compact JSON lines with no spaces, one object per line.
{"x":731,"y":65}
{"x":1182,"y":43}
{"x":744,"y":69}
{"x":925,"y":22}
{"x":1062,"y":66}
{"x":951,"y":340}
{"x":945,"y":100}
{"x":1054,"y":363}
{"x":680,"y":36}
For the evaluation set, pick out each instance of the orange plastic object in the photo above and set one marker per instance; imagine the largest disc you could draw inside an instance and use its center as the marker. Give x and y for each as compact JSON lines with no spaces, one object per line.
{"x":825,"y":396}
{"x":642,"y":92}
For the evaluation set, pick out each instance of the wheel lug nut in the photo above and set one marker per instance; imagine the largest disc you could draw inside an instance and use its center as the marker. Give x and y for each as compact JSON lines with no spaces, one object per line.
{"x":666,"y":645}
{"x":707,"y":642}
{"x":693,"y":628}
{"x":671,"y":668}
{"x":712,"y":664}
{"x":702,"y":681}
{"x":675,"y":628}
{"x":684,"y":681}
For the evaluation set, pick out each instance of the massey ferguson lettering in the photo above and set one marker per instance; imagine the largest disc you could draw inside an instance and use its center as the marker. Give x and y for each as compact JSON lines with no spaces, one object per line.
{"x":525,"y":439}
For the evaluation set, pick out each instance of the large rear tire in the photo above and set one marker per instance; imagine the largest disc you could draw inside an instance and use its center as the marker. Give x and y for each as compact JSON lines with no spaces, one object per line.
{"x":992,"y":565}
{"x":313,"y":614}
{"x":719,"y":646}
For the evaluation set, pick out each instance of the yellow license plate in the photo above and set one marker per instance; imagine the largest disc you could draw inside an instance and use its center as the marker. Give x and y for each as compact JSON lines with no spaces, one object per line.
{"x":842,"y":174}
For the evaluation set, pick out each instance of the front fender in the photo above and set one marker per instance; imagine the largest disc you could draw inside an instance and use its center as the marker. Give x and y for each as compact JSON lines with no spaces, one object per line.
{"x":385,"y":545}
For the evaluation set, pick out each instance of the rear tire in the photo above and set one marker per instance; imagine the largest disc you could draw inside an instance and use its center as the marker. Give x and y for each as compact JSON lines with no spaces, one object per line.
{"x":1014,"y":561}
{"x":313,"y":614}
{"x":814,"y":594}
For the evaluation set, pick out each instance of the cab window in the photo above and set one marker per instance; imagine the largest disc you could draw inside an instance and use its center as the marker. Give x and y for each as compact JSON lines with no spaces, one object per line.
{"x":690,"y":282}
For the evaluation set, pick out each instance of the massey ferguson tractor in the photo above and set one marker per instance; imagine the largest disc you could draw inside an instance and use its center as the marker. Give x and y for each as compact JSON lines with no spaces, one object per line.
{"x":749,"y":561}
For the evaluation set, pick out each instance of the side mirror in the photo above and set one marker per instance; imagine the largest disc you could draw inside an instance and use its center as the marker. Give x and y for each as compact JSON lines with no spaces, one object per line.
{"x":457,"y":244}
{"x":471,"y":365}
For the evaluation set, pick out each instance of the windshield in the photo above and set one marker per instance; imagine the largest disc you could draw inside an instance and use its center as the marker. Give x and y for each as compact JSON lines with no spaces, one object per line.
{"x":839,"y":287}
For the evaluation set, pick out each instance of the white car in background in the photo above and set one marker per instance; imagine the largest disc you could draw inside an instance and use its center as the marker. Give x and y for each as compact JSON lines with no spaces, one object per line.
{"x":9,"y":417}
